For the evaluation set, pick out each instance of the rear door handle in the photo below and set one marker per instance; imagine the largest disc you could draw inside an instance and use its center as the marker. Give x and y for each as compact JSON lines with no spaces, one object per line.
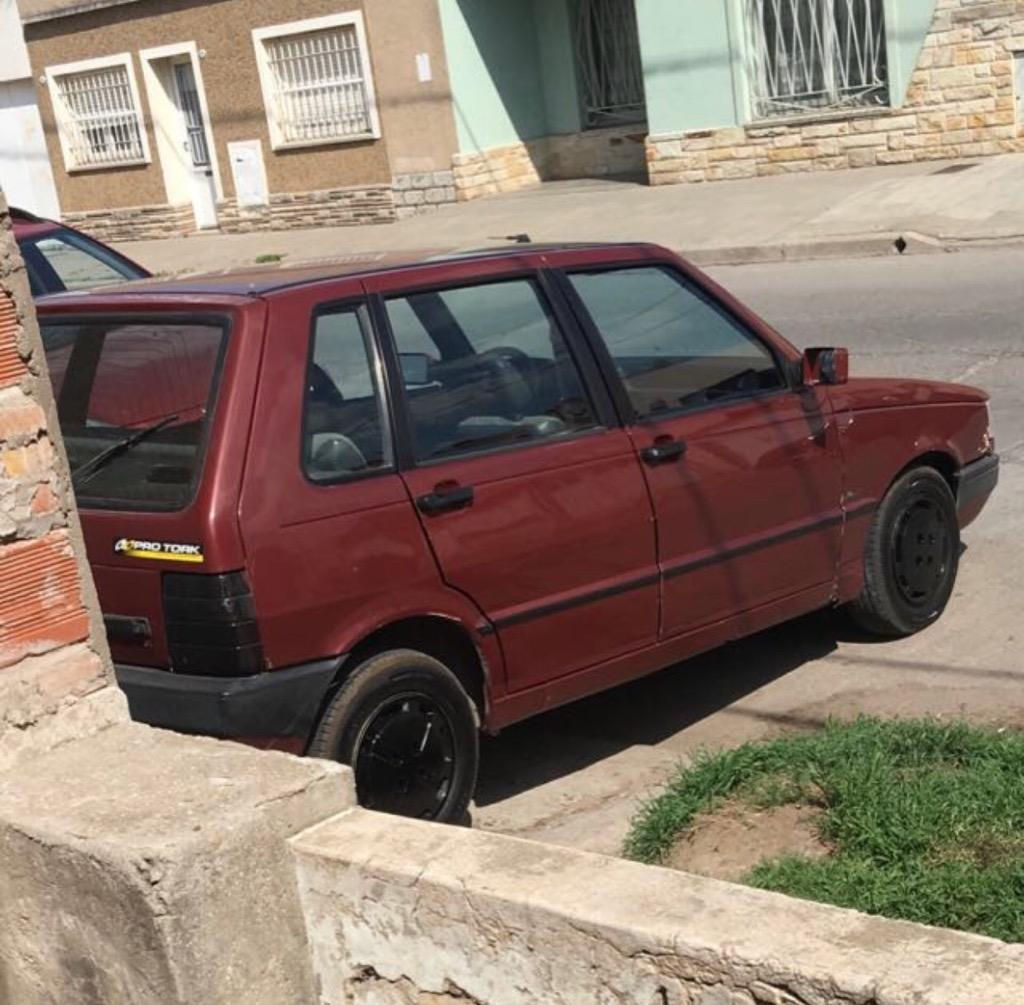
{"x":441,"y":500}
{"x":663,"y":451}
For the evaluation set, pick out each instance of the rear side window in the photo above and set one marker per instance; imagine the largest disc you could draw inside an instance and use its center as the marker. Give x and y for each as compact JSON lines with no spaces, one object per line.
{"x":344,"y":433}
{"x":63,"y":260}
{"x":673,"y":347}
{"x":485,"y":366}
{"x":134,"y":401}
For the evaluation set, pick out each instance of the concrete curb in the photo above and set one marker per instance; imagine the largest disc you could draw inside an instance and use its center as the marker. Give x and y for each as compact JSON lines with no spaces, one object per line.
{"x":846,"y":246}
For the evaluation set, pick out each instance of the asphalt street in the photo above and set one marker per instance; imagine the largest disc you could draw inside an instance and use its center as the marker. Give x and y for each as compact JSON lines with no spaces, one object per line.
{"x":574,"y":776}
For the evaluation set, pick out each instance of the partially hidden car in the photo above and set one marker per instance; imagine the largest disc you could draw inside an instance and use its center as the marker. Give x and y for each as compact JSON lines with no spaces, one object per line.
{"x":59,"y":258}
{"x":364,"y":512}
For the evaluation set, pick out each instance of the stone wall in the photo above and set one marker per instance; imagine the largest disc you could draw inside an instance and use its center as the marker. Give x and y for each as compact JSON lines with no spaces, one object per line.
{"x":422,"y":192}
{"x":406,"y":913}
{"x":337,"y":207}
{"x":500,"y":169}
{"x":960,"y":104}
{"x":53,"y":654}
{"x":134,"y":223}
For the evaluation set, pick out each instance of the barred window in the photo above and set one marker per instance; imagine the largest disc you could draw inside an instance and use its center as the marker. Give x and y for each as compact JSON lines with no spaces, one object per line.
{"x":98,"y":115}
{"x":316,"y":81}
{"x":807,"y":55}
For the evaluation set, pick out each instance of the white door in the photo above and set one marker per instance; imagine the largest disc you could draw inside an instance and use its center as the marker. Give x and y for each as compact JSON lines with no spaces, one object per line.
{"x":204,"y":188}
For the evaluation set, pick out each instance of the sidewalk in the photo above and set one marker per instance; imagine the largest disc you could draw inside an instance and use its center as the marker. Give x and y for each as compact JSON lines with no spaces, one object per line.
{"x":840,"y":214}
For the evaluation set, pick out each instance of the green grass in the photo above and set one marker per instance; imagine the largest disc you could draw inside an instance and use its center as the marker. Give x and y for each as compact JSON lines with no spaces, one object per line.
{"x":268,"y":259}
{"x":924,"y":819}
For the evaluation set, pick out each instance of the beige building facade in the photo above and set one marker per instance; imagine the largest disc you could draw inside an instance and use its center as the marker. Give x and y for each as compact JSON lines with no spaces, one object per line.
{"x":168,"y":116}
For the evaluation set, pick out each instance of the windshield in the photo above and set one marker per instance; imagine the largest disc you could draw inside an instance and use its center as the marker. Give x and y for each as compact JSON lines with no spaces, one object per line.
{"x":61,"y":260}
{"x":116,"y":379}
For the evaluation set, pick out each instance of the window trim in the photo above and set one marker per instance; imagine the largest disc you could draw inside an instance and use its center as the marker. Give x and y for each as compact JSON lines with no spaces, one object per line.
{"x":382,"y":392}
{"x":61,"y":117}
{"x":587,"y":366}
{"x":223,"y":321}
{"x":269,"y":33}
{"x":620,"y":394}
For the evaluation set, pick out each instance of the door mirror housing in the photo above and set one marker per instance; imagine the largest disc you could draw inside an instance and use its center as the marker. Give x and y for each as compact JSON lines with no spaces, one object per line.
{"x":826,"y":366}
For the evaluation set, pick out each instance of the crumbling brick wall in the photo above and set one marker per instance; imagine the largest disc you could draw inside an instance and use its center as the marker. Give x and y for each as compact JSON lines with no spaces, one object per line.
{"x":52,"y":648}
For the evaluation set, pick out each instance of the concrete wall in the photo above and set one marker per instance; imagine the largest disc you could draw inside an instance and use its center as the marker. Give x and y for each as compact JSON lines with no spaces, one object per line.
{"x":53,"y":652}
{"x":688,"y":61}
{"x":406,"y":913}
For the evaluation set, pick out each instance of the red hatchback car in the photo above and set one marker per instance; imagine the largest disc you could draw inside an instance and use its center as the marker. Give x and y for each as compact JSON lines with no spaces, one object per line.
{"x":362,"y":513}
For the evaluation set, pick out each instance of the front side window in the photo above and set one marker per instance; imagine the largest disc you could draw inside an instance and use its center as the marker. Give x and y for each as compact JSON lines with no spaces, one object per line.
{"x":316,"y":81}
{"x":485,"y":366}
{"x":63,"y":260}
{"x":134,"y":401}
{"x":98,"y":114}
{"x":808,"y":55}
{"x":343,"y":427}
{"x":672,"y":346}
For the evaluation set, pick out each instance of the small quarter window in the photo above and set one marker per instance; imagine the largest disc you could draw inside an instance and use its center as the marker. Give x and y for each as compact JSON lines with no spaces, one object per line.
{"x":672,"y":346}
{"x":344,"y":430}
{"x":485,"y":366}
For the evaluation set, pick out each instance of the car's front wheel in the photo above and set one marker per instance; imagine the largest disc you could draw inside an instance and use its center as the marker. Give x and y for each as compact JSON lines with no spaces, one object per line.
{"x":911,"y":556}
{"x":405,"y":724}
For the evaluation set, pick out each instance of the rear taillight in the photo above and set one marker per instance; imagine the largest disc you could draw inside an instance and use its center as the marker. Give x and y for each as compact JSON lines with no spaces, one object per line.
{"x":211,"y":625}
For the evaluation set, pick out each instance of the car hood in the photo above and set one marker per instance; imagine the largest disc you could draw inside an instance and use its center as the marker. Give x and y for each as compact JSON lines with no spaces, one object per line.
{"x":894,"y":392}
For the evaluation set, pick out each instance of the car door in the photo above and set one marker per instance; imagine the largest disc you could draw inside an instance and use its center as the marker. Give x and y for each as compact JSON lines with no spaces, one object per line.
{"x":530,"y":493}
{"x":743,"y":467}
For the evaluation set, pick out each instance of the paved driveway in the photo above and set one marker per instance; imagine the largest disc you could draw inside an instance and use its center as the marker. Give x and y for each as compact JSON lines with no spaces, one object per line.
{"x":574,"y":775}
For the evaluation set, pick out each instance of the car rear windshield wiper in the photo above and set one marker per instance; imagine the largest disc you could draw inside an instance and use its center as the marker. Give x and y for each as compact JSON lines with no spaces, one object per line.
{"x":85,"y":471}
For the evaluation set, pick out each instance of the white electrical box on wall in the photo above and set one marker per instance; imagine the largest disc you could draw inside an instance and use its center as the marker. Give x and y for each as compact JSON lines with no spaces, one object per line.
{"x":248,"y":172}
{"x":423,"y":69}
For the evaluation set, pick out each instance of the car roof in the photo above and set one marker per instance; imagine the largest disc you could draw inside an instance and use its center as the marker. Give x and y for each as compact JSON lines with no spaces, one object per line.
{"x":266,"y":281}
{"x":27,"y":224}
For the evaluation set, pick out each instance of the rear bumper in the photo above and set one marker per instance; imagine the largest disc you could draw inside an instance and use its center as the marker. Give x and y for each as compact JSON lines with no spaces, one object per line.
{"x":975,"y":483}
{"x":274,"y":705}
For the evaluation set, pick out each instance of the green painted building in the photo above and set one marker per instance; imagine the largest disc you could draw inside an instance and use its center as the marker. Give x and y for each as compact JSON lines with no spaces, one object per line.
{"x":566,"y":88}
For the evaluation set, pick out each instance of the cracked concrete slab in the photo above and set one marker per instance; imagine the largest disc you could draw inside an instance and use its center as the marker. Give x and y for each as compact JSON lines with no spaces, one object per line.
{"x":141,"y":866}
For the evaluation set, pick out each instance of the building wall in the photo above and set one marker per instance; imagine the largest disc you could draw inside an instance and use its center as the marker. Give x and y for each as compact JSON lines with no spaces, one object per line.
{"x":25,"y":173}
{"x":55,"y":672}
{"x":344,"y":182}
{"x":959,"y":102}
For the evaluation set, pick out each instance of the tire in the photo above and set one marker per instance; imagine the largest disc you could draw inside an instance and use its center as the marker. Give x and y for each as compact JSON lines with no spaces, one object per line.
{"x":407,"y":727}
{"x":911,"y":557}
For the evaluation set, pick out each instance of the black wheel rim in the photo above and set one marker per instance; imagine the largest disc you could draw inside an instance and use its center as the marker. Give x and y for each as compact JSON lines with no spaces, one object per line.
{"x":405,"y":758}
{"x":922,"y":552}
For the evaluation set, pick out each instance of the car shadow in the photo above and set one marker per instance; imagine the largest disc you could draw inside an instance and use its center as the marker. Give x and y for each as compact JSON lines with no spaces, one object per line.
{"x":648,"y":711}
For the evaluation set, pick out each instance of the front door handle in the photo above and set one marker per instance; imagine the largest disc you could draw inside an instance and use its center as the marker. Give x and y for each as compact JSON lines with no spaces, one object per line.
{"x":443,"y":499}
{"x":663,"y":451}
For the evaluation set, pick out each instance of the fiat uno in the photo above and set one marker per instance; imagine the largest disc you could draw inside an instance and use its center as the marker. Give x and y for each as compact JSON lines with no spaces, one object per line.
{"x":362,"y":512}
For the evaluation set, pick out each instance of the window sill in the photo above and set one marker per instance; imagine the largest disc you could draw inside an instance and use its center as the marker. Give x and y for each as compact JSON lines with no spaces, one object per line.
{"x":332,"y":141}
{"x":83,"y":168}
{"x":823,"y":117}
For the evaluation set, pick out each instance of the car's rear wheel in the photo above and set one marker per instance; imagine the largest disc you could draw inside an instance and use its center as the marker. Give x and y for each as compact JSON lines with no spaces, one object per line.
{"x":407,"y":727}
{"x":911,"y":557}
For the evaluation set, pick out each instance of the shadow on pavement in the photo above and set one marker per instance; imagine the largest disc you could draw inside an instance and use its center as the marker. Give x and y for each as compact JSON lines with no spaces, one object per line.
{"x":647,"y":711}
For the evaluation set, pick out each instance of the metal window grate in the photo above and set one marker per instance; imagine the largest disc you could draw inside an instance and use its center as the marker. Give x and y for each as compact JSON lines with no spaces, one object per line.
{"x":816,"y":54}
{"x":319,"y":85}
{"x":101,"y":119}
{"x":608,"y":61}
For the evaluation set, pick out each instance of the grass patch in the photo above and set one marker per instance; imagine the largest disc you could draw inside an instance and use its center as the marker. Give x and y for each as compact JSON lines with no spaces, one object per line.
{"x":924,"y":819}
{"x":268,"y":259}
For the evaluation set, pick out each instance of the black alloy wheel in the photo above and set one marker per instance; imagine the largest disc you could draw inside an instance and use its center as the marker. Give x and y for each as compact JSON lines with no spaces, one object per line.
{"x":911,"y":556}
{"x":410,"y":732}
{"x":405,"y":758}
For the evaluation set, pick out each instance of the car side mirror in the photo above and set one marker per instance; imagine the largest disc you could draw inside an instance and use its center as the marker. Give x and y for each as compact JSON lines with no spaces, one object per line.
{"x":826,"y":366}
{"x":415,"y":368}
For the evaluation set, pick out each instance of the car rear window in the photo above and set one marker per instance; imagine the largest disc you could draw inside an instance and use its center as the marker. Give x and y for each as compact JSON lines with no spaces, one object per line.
{"x":61,"y":260}
{"x":150,"y":381}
